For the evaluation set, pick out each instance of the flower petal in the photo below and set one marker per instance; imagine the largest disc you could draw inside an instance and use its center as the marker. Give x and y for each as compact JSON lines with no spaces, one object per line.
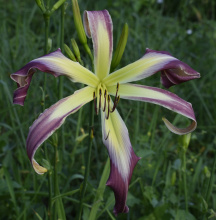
{"x":52,"y":119}
{"x":98,"y":25}
{"x":122,"y":158}
{"x":160,"y":97}
{"x":56,"y":64}
{"x":173,"y":70}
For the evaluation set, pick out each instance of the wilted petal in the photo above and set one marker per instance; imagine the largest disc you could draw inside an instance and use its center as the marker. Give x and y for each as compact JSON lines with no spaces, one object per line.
{"x":122,"y":158}
{"x":52,"y":119}
{"x":173,"y":70}
{"x":56,"y":64}
{"x":98,"y":25}
{"x":160,"y":97}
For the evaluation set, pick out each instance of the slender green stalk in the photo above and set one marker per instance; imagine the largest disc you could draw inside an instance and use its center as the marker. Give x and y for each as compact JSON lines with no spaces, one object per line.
{"x":62,"y":46}
{"x":46,"y":16}
{"x":211,"y":182}
{"x":185,"y":179}
{"x":46,"y":49}
{"x":76,"y":135}
{"x":88,"y":157}
{"x":100,"y":191}
{"x":59,"y":208}
{"x":136,"y":124}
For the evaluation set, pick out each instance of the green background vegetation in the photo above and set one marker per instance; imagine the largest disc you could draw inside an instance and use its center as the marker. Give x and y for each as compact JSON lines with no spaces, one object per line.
{"x":157,"y":188}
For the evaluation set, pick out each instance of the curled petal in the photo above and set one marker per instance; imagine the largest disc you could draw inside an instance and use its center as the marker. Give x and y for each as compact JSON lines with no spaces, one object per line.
{"x":173,"y":70}
{"x":160,"y":97}
{"x":52,"y":119}
{"x":98,"y":26}
{"x":56,"y":64}
{"x":122,"y":158}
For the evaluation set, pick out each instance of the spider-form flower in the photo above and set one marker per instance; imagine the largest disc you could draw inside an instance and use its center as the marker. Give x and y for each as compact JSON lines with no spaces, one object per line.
{"x":100,"y":85}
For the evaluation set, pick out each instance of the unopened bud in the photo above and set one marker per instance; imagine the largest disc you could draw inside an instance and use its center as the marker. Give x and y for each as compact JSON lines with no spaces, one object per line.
{"x":173,"y":178}
{"x":120,"y":47}
{"x":69,"y":53}
{"x":207,"y":172}
{"x":81,"y":137}
{"x":40,"y":5}
{"x":57,"y":5}
{"x":78,"y":22}
{"x":186,"y":140}
{"x":49,"y":46}
{"x":76,"y":49}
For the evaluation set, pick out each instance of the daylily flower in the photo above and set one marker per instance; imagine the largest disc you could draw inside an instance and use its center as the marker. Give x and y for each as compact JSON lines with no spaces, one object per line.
{"x":100,"y":85}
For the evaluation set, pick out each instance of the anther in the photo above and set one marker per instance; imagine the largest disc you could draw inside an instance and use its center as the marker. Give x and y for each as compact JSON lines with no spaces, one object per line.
{"x":117,"y":98}
{"x":100,"y":92}
{"x":117,"y":87}
{"x":107,"y":136}
{"x":95,"y":104}
{"x":105,"y":93}
{"x":108,"y":107}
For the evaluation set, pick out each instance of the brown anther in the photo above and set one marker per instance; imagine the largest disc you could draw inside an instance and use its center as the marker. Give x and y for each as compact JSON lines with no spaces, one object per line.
{"x":107,"y":136}
{"x":105,"y":93}
{"x":108,"y":107}
{"x":100,"y":92}
{"x":117,"y":87}
{"x":116,"y":99}
{"x":95,"y":104}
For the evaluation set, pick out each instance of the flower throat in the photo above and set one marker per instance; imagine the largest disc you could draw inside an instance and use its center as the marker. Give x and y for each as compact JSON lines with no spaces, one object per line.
{"x":104,"y":102}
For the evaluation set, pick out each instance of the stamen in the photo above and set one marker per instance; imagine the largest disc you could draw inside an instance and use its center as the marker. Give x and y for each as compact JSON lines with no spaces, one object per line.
{"x":100,"y":92}
{"x":117,"y":87}
{"x":107,"y":136}
{"x":108,"y":107}
{"x":105,"y":93}
{"x":117,"y":98}
{"x":95,"y":104}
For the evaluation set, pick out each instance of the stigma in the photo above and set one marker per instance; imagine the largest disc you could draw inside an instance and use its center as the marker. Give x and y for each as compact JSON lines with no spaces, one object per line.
{"x":103,"y":101}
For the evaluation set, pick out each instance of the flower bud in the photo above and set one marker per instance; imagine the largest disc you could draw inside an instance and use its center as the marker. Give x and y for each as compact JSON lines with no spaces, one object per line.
{"x":49,"y":45}
{"x":120,"y":47}
{"x":76,"y":49}
{"x":69,"y":53}
{"x":207,"y":172}
{"x":78,"y":22}
{"x":40,"y":5}
{"x":186,"y":140}
{"x":173,"y":178}
{"x":57,"y":5}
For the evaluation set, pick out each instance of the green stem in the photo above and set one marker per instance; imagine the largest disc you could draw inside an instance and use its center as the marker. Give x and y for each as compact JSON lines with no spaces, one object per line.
{"x":76,"y":135}
{"x":185,"y":179}
{"x":210,"y":183}
{"x":61,"y":79}
{"x":47,"y":21}
{"x":88,"y":157}
{"x":136,"y":125}
{"x":46,"y":48}
{"x":100,"y":191}
{"x":59,"y":208}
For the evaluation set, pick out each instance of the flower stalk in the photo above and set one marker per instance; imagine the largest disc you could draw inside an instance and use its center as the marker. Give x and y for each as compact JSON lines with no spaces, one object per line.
{"x":59,"y":207}
{"x":87,"y":158}
{"x":186,"y":142}
{"x":47,"y":22}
